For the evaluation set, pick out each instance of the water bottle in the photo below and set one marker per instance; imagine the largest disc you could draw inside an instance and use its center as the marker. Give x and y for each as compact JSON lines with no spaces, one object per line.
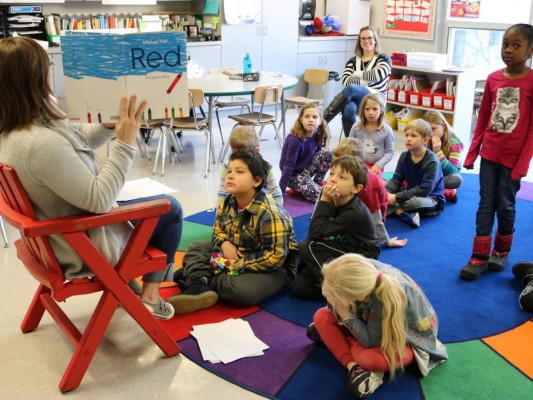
{"x":247,"y":64}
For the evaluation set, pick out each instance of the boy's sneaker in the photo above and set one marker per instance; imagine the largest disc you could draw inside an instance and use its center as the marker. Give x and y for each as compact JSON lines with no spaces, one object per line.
{"x":363,"y":383}
{"x":197,"y":296}
{"x":161,"y":309}
{"x":313,"y":334}
{"x":411,"y":219}
{"x":526,"y":297}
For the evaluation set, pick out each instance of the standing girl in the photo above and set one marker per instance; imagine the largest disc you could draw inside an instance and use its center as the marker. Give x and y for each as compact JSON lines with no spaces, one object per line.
{"x":504,"y":140}
{"x":377,"y":319}
{"x":376,"y":136}
{"x":304,"y":159}
{"x":448,"y":147}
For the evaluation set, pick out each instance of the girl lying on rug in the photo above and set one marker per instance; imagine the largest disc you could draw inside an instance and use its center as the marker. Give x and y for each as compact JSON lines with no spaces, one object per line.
{"x":377,"y":319}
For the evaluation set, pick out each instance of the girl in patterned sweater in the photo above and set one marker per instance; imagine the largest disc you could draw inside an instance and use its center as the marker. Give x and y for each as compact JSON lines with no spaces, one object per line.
{"x":377,"y":319}
{"x":448,"y":147}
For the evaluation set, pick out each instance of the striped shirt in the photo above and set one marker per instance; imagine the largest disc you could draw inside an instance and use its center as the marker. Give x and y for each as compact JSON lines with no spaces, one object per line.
{"x":451,"y":163}
{"x":373,"y":74}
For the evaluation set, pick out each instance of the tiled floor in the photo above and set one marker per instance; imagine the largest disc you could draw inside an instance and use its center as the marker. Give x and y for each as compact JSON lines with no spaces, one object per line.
{"x":127,"y":364}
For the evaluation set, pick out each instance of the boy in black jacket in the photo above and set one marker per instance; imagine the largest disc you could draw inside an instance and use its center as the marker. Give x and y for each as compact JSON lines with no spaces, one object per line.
{"x":341,"y":223}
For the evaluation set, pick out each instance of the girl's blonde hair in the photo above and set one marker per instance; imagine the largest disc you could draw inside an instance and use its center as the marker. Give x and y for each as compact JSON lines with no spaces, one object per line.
{"x":323,"y":129}
{"x":243,"y":138}
{"x":353,"y":277}
{"x":436,"y":117}
{"x":362,"y":121}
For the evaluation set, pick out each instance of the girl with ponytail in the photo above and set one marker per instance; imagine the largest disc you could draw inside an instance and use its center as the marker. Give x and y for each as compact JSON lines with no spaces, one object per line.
{"x":377,"y":320}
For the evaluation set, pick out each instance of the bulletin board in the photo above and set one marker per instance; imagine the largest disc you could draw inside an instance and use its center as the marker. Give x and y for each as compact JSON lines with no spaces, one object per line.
{"x":412,"y":19}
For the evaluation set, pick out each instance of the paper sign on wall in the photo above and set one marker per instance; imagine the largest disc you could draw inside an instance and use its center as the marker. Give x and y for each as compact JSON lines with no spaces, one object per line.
{"x":101,"y":68}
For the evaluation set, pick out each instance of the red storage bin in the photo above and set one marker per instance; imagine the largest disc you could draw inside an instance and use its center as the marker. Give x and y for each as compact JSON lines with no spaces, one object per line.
{"x":402,"y":96}
{"x":438,"y":100}
{"x":413,"y":97}
{"x":399,"y":59}
{"x":448,"y":103}
{"x":392,"y":94}
{"x":426,"y":100}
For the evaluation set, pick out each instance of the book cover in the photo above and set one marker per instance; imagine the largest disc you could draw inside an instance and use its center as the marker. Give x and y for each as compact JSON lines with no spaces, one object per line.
{"x":101,"y":68}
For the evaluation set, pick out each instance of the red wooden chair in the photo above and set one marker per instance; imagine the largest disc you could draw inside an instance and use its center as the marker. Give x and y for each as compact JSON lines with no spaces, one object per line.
{"x":35,"y":252}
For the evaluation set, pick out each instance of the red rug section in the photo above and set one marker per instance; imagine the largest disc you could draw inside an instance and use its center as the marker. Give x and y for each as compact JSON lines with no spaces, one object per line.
{"x":180,"y":326}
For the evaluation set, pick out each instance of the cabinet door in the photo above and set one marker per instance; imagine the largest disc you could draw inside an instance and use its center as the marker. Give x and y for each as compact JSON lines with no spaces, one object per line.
{"x":335,"y":61}
{"x":237,"y":40}
{"x":280,"y":36}
{"x":206,"y":56}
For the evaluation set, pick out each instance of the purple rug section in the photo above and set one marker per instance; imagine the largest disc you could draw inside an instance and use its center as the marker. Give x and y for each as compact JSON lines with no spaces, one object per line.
{"x":297,"y":206}
{"x":267,"y":374}
{"x":526,"y":191}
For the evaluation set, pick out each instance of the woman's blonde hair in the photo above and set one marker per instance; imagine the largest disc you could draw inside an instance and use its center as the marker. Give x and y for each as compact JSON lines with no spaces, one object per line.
{"x":362,"y":121}
{"x":359,"y":49}
{"x":436,"y":117}
{"x":323,"y":129}
{"x":243,"y":138}
{"x":353,"y":277}
{"x":24,"y":87}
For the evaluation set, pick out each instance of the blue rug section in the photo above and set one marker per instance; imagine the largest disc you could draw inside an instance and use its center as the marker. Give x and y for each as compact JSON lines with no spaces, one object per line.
{"x":331,"y":383}
{"x":203,"y":217}
{"x":435,"y":253}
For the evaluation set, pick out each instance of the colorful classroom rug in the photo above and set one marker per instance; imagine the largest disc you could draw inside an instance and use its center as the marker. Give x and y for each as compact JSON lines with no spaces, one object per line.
{"x":489,"y":339}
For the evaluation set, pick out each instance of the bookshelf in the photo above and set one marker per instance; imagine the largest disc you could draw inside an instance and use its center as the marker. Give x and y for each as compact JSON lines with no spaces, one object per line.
{"x":461,"y":115}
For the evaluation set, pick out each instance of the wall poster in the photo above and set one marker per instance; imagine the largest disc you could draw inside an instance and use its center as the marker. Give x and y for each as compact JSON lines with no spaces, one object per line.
{"x":465,"y":8}
{"x":412,"y":19}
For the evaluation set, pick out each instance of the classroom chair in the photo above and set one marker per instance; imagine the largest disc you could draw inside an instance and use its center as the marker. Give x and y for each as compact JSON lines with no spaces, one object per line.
{"x":36,"y":254}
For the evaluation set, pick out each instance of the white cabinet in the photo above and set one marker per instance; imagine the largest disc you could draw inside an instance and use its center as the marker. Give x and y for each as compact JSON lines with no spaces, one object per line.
{"x":57,"y":80}
{"x":272,"y":43}
{"x":461,"y":115}
{"x":206,"y":54}
{"x":350,"y":47}
{"x":321,"y":53}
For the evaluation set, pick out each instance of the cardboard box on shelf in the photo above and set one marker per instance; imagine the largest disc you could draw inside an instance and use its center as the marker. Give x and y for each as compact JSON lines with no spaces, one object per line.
{"x":100,"y":69}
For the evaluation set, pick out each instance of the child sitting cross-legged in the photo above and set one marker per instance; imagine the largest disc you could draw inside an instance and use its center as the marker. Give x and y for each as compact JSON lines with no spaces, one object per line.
{"x":252,"y":253}
{"x":417,"y":186}
{"x":341,"y":223}
{"x":246,"y":138}
{"x":373,"y":195}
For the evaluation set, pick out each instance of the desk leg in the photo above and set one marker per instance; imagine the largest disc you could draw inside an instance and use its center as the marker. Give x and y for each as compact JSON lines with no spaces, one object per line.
{"x":283,"y":114}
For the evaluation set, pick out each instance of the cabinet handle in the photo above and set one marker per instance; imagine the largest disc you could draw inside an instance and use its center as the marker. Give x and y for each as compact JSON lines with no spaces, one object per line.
{"x":325,"y":60}
{"x":319,"y":60}
{"x":258,"y":31}
{"x":265,"y":30}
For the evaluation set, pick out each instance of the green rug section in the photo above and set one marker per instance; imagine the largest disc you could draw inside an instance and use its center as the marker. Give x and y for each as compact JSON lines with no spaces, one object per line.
{"x":192,"y":232}
{"x":387,"y":175}
{"x":474,"y":371}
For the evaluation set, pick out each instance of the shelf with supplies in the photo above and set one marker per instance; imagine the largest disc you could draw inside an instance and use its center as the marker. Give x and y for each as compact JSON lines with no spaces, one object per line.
{"x":24,"y":20}
{"x":451,"y":93}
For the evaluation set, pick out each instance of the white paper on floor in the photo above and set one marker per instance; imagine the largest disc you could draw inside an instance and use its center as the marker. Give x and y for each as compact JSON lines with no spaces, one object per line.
{"x":144,"y":187}
{"x":227,"y":341}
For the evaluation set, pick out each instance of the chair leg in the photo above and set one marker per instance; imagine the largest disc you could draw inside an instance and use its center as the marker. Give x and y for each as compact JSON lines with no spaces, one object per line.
{"x":219,"y":126}
{"x":35,"y":311}
{"x":4,"y":234}
{"x":224,"y":148}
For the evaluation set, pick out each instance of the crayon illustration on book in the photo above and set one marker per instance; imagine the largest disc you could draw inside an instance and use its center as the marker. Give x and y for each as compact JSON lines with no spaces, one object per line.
{"x":101,"y":68}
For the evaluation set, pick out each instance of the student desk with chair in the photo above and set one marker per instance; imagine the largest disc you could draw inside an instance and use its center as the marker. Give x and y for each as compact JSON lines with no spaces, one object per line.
{"x":215,"y":85}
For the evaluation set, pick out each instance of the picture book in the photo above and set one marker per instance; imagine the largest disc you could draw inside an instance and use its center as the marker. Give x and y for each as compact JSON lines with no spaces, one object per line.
{"x":101,"y":68}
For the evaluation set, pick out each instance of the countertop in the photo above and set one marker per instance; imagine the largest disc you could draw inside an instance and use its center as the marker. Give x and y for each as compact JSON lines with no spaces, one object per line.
{"x":317,"y":38}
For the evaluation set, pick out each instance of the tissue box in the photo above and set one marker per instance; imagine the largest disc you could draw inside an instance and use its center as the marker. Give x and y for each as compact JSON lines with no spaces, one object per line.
{"x":399,"y":59}
{"x":427,"y":60}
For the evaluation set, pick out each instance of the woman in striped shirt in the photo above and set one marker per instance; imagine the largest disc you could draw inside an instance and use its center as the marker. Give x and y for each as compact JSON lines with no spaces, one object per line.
{"x":367,"y":72}
{"x":447,"y":146}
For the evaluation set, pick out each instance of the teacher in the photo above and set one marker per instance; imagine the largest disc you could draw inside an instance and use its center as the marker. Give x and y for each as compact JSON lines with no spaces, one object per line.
{"x":367,"y":72}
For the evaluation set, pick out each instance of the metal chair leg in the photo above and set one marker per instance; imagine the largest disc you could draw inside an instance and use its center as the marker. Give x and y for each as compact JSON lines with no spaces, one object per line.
{"x":4,"y":234}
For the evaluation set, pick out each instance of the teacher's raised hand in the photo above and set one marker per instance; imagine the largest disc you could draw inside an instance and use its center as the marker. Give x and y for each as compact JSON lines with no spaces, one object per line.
{"x":127,"y":128}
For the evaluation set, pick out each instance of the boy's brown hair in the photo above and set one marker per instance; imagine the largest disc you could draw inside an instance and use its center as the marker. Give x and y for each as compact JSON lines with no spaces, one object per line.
{"x":421,"y":127}
{"x":354,"y":167}
{"x":349,"y":146}
{"x":243,"y":138}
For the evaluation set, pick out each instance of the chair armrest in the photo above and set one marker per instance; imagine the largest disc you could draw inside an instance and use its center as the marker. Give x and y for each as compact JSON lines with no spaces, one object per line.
{"x":83,"y":222}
